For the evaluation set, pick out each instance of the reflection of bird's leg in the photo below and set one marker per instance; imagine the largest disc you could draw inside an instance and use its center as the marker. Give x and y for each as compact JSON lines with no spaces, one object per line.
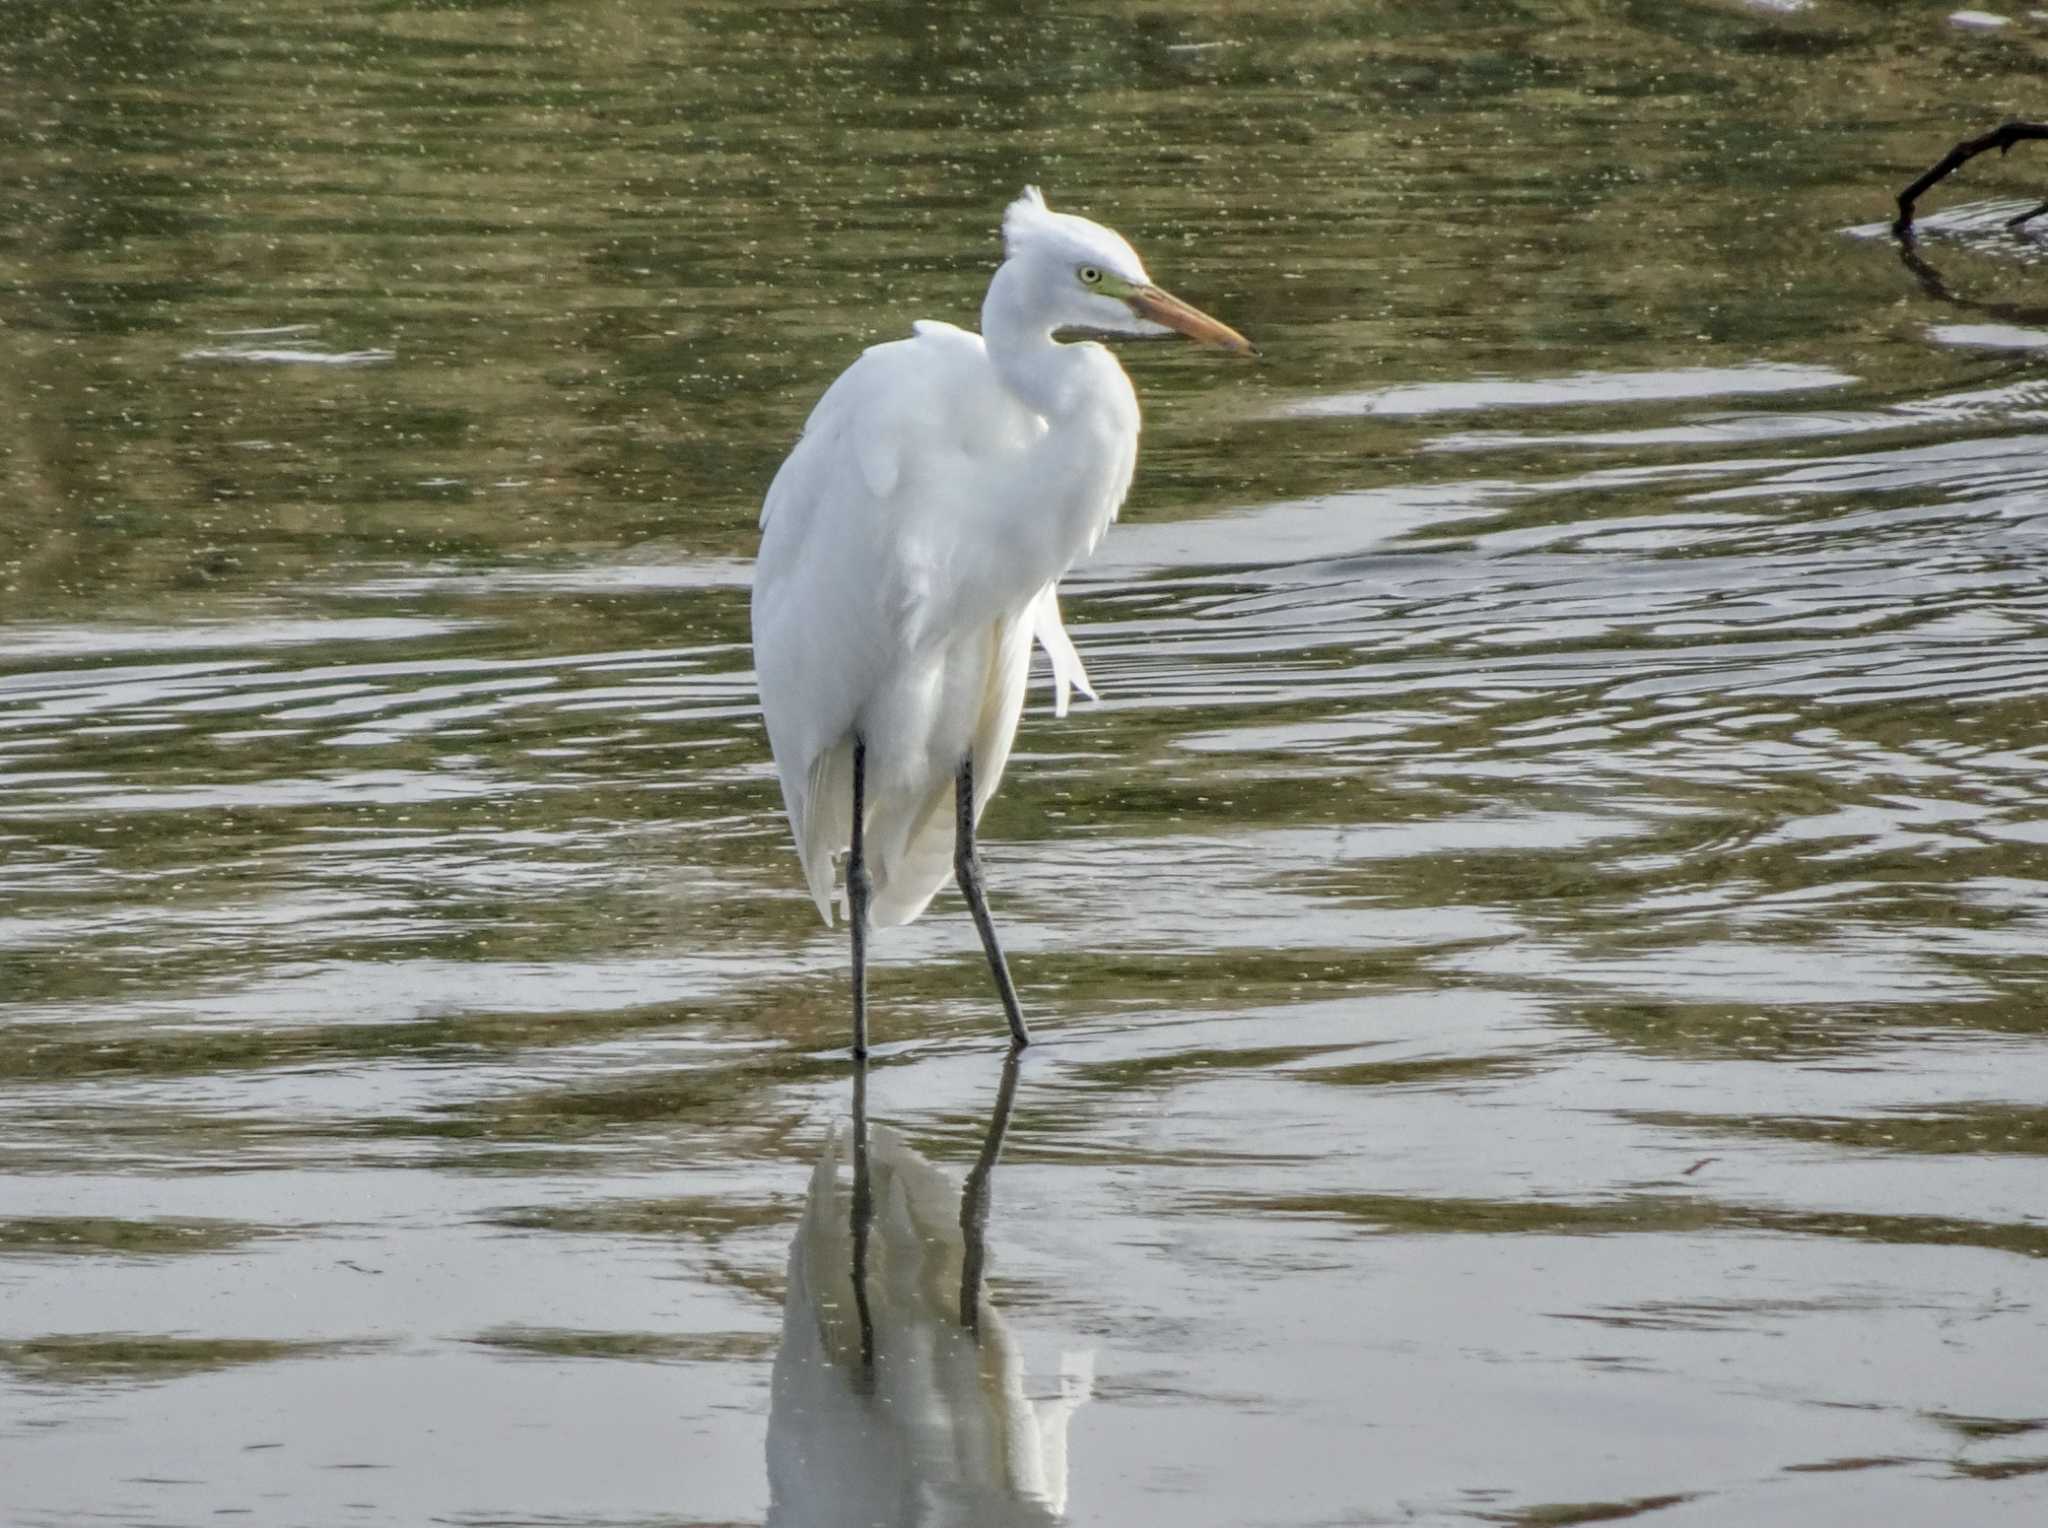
{"x":974,"y":1201}
{"x":857,"y":888}
{"x":863,"y":1217}
{"x":968,"y":869}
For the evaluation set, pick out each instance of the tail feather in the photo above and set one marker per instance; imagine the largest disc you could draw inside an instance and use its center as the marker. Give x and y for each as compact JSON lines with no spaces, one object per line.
{"x":1067,"y":673}
{"x":823,"y":820}
{"x":910,"y":839}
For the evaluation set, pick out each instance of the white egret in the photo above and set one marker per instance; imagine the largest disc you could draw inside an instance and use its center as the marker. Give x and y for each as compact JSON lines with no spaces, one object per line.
{"x":911,"y":550}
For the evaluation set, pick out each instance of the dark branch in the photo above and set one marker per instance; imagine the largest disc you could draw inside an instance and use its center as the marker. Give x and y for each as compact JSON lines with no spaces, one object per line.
{"x":2001,"y":138}
{"x":2028,"y":216}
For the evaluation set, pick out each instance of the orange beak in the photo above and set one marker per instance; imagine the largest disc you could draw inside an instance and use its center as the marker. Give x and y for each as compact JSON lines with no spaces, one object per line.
{"x":1165,"y":308}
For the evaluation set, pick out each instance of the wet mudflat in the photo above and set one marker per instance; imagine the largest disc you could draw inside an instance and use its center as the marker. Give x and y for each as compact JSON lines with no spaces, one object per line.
{"x":1540,"y":951}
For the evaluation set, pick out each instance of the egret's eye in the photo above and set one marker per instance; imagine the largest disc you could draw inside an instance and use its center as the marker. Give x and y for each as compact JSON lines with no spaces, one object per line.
{"x":1090,"y":276}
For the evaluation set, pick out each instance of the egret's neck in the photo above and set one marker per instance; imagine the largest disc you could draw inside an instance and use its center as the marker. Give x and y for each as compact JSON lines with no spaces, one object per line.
{"x":1057,"y":490}
{"x":1030,"y":362}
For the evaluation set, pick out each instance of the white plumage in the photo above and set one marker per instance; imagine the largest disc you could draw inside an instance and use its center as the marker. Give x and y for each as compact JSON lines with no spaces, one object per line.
{"x":893,"y":597}
{"x":913,"y":542}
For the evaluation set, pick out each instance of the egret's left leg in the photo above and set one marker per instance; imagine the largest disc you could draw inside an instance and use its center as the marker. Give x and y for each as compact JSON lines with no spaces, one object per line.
{"x":968,"y":870}
{"x":859,"y":890}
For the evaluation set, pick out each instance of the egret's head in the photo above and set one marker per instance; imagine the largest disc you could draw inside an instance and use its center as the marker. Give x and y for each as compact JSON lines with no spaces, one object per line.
{"x":1089,"y":277}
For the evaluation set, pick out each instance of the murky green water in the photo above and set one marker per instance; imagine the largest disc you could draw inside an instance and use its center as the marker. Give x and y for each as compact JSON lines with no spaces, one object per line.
{"x":1541,"y":951}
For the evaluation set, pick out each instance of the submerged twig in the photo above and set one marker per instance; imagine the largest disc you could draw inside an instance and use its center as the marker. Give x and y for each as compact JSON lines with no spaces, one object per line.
{"x":2002,"y":138}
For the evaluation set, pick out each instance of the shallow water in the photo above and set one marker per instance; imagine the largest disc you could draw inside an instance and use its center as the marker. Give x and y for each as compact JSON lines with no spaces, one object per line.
{"x":1539,"y":951}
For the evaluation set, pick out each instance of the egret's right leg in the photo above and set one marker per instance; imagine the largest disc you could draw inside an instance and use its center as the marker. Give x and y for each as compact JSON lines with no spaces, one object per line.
{"x":967,"y":869}
{"x":858,"y":887}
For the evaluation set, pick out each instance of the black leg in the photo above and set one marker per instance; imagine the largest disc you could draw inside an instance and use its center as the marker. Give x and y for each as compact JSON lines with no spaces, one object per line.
{"x":974,"y":1202}
{"x":857,"y":887}
{"x":968,"y":869}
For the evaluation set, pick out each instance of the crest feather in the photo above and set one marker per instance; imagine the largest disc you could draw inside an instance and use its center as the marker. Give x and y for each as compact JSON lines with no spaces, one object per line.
{"x":1026,"y":215}
{"x":1031,"y":226}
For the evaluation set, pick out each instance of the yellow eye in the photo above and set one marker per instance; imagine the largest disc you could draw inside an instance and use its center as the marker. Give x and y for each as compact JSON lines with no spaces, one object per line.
{"x":1090,"y":276}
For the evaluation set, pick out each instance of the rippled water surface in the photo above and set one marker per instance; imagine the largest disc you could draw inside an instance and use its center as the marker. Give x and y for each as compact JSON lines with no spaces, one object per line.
{"x":1540,"y":951}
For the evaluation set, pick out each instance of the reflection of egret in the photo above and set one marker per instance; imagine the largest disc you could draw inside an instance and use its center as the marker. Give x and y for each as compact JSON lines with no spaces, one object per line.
{"x":911,"y":548}
{"x":898,"y":1396}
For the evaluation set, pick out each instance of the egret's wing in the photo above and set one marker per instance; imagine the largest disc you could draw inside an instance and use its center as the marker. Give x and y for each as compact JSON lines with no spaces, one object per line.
{"x":1067,"y":673}
{"x":821,"y":639}
{"x":909,"y":550}
{"x":856,"y":540}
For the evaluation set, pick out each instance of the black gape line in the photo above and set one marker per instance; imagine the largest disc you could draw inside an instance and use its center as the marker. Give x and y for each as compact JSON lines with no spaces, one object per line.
{"x":966,"y":869}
